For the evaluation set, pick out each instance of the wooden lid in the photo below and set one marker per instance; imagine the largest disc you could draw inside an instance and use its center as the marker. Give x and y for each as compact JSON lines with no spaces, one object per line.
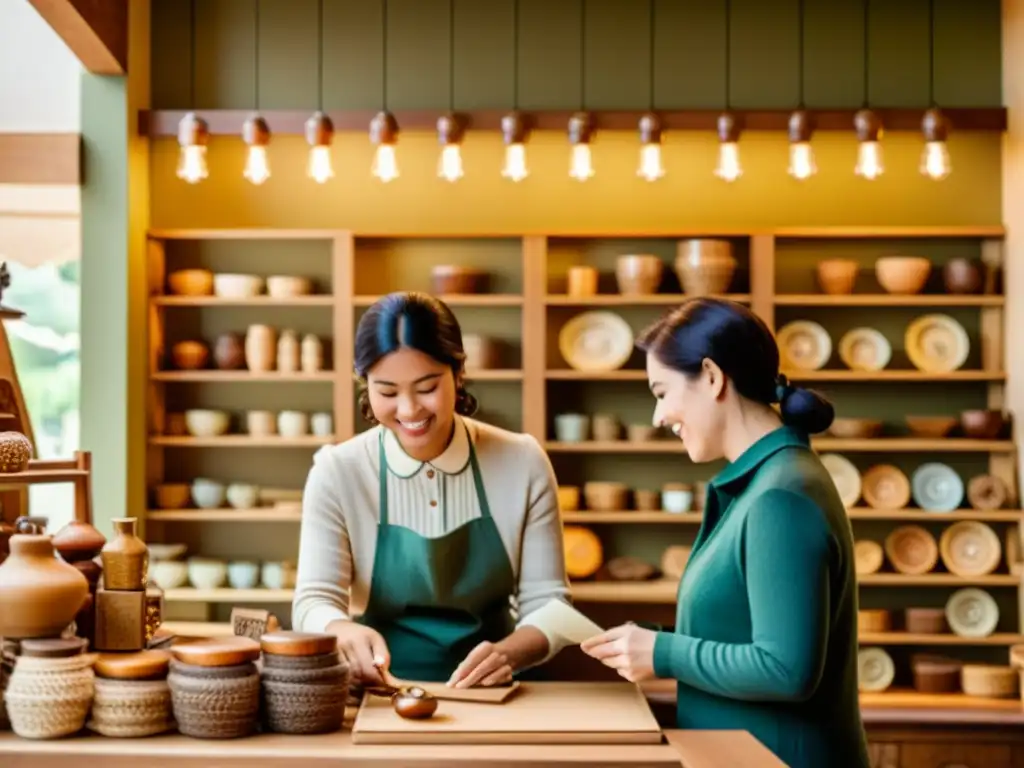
{"x":143,"y":665}
{"x":217,"y":652}
{"x":53,"y":648}
{"x":285,"y":643}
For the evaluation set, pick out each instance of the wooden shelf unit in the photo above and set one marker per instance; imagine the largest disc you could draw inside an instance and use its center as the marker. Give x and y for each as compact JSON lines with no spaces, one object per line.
{"x":538,"y":384}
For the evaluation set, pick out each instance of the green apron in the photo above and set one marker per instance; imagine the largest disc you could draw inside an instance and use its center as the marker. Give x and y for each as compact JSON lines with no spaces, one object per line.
{"x":434,"y":600}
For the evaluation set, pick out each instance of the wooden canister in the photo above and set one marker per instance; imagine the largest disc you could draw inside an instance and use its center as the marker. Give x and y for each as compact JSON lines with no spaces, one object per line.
{"x":304,"y":683}
{"x":925,"y":621}
{"x":989,"y":680}
{"x":873,"y":620}
{"x":581,"y":281}
{"x":935,"y":674}
{"x":125,"y":558}
{"x":132,"y":698}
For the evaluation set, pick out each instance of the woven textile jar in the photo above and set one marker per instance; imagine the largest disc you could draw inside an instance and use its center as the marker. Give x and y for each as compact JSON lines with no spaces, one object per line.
{"x":48,"y":696}
{"x":305,"y":683}
{"x":132,"y":697}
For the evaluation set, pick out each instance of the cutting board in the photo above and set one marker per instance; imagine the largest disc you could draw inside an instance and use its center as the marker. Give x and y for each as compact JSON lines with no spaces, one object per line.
{"x":540,"y":713}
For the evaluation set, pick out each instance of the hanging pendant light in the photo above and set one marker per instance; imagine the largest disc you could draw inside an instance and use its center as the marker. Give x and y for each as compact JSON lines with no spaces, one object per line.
{"x":514,"y":131}
{"x":581,"y":127}
{"x":868,"y":127}
{"x":729,"y":168}
{"x":935,"y":162}
{"x":319,"y":128}
{"x":449,"y":132}
{"x":650,"y":167}
{"x":801,"y":154}
{"x":384,"y":133}
{"x":193,"y":136}
{"x":255,"y":131}
{"x":193,"y":131}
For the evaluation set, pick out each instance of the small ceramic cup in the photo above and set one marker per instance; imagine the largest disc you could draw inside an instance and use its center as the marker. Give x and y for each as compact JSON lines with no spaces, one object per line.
{"x":572,"y":427}
{"x":261,"y":423}
{"x":292,"y":423}
{"x":243,"y":574}
{"x":278,"y":575}
{"x":207,"y":494}
{"x":322,"y":424}
{"x":606,"y":427}
{"x":676,"y":498}
{"x":646,"y":500}
{"x":243,"y":495}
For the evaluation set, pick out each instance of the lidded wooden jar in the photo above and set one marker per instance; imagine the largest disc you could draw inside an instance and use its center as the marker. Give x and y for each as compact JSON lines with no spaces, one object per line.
{"x":132,"y":698}
{"x":305,"y":683}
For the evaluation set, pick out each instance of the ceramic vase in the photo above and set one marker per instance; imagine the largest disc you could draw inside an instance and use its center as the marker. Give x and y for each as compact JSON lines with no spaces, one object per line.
{"x":312,"y":354}
{"x":260,"y":348}
{"x":229,"y":352}
{"x":78,"y":541}
{"x":288,"y":352}
{"x":125,"y":558}
{"x":39,"y":594}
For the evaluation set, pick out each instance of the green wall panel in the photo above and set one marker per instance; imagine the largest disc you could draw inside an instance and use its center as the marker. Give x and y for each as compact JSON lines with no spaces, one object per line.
{"x":833,"y":54}
{"x":549,"y":54}
{"x":171,"y":54}
{"x":617,"y":54}
{"x":225,"y":54}
{"x":968,"y":53}
{"x":288,"y":54}
{"x":353,"y":54}
{"x":689,"y":53}
{"x":419,"y":54}
{"x":689,"y":44}
{"x":484,"y":54}
{"x":764,"y":54}
{"x":898,"y":62}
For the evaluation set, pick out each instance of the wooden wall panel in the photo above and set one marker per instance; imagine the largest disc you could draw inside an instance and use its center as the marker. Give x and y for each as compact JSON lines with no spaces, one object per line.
{"x":968,"y":53}
{"x":171,"y":54}
{"x":689,"y":55}
{"x":225,"y":54}
{"x":353,"y":63}
{"x":288,"y":54}
{"x":834,"y":53}
{"x":898,"y":63}
{"x":764,"y":53}
{"x":419,"y":56}
{"x":484,"y":54}
{"x":617,"y":65}
{"x":549,"y":54}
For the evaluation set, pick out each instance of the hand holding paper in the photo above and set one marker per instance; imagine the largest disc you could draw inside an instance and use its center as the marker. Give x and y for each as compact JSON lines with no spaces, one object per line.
{"x":562,"y":619}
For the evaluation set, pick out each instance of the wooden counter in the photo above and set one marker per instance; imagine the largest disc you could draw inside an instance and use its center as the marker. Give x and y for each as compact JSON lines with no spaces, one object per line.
{"x":689,"y":749}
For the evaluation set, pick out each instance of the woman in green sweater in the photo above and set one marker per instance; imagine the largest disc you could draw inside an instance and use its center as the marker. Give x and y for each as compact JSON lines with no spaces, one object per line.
{"x":766,"y":624}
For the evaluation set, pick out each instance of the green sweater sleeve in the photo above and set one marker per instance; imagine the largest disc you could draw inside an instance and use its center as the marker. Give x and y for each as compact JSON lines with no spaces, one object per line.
{"x":786,"y":551}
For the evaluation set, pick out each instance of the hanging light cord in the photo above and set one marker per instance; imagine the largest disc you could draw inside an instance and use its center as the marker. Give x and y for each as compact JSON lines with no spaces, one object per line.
{"x":650,"y":52}
{"x":931,"y":53}
{"x":384,"y":56}
{"x":451,"y":55}
{"x":728,"y":54}
{"x":256,"y":54}
{"x":192,"y":56}
{"x":583,"y":54}
{"x":320,"y":57}
{"x":867,"y":51}
{"x":800,"y":27}
{"x":515,"y":55}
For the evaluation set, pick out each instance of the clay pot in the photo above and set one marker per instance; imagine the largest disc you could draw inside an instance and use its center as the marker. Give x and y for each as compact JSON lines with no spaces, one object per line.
{"x":78,"y":541}
{"x":312,"y":354}
{"x":125,"y":558}
{"x":638,"y":274}
{"x":190,"y":355}
{"x":705,"y":266}
{"x":229,"y":352}
{"x":962,"y":276}
{"x":15,"y":452}
{"x":837,"y":276}
{"x":39,"y":594}
{"x":453,"y":278}
{"x":982,"y":424}
{"x":261,"y":348}
{"x":902,"y":275}
{"x":288,"y":352}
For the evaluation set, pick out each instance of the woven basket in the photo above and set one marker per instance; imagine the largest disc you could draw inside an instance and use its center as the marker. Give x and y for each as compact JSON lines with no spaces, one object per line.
{"x":50,"y":698}
{"x":211,"y":707}
{"x":131,"y":708}
{"x":304,"y":708}
{"x":316,"y":661}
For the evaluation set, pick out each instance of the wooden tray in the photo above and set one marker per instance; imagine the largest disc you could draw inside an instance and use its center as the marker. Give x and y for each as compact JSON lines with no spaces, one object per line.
{"x":541,"y":713}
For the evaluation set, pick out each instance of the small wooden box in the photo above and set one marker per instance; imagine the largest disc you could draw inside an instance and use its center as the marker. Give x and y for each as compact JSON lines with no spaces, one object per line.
{"x":120,"y":620}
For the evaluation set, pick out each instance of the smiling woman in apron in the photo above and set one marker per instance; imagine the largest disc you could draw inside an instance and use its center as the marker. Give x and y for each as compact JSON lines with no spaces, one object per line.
{"x":429,"y":539}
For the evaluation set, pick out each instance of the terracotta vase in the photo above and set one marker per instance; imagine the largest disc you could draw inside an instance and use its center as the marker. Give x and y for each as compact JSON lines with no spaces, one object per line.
{"x":78,"y":541}
{"x":125,"y":558}
{"x":39,"y":594}
{"x":288,"y":353}
{"x":229,"y":352}
{"x":260,"y":348}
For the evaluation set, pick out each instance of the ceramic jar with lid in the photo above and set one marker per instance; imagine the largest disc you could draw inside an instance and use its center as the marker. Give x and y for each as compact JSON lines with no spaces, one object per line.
{"x":288,"y":352}
{"x":125,"y":558}
{"x":39,"y":594}
{"x":260,"y":348}
{"x":215,"y":687}
{"x":132,"y":698}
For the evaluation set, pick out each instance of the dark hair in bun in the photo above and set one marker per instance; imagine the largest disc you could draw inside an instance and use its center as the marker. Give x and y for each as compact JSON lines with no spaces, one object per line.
{"x":739,"y":343}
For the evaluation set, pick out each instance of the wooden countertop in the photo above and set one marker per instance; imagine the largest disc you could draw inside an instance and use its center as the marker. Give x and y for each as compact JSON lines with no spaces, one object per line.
{"x":689,"y":749}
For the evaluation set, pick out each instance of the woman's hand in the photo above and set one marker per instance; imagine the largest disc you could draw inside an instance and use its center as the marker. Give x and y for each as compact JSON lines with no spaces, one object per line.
{"x":627,"y":649}
{"x":361,"y":645}
{"x":486,"y":665}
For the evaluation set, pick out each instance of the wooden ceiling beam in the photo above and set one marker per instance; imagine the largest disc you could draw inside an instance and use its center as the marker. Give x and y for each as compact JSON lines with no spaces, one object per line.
{"x":96,"y":31}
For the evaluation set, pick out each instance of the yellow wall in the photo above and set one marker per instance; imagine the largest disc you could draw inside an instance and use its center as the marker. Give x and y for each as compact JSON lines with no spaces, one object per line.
{"x":614,"y":200}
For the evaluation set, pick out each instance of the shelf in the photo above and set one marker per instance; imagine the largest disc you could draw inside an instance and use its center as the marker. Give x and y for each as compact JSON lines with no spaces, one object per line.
{"x":244,"y":233}
{"x":884,"y":232}
{"x":494,"y":374}
{"x":627,"y":516}
{"x":41,"y":477}
{"x":212,"y":377}
{"x":937,"y":580}
{"x":878,"y":444}
{"x":460,"y":300}
{"x":620,"y":300}
{"x":887,"y":300}
{"x":908,"y":638}
{"x":268,"y":515}
{"x":317,"y":300}
{"x":587,"y":517}
{"x":909,"y":375}
{"x":241,"y":441}
{"x":570,"y":374}
{"x":228,"y":595}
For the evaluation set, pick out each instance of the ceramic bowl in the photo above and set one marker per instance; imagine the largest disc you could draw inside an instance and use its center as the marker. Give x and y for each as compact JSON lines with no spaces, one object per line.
{"x":962,"y":276}
{"x":287,"y":286}
{"x":161,"y":552}
{"x":638,"y":274}
{"x":234,"y":286}
{"x":855,"y":428}
{"x":190,"y":355}
{"x":243,"y":574}
{"x":205,"y":422}
{"x":191,"y":282}
{"x":172,"y":495}
{"x":169,"y":574}
{"x":243,"y":495}
{"x":278,"y":575}
{"x":207,"y":494}
{"x":481,"y":351}
{"x":453,"y":278}
{"x":207,"y":573}
{"x":837,"y":276}
{"x":641,"y":433}
{"x":931,"y":426}
{"x":676,"y":498}
{"x":605,"y":497}
{"x":982,"y":424}
{"x":568,"y":498}
{"x":902,"y":275}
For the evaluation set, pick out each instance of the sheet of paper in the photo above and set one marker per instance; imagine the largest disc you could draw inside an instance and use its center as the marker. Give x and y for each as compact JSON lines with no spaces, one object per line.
{"x":566,"y":621}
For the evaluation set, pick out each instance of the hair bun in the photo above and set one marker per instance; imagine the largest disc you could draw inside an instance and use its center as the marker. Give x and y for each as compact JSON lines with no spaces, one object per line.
{"x":805,"y":409}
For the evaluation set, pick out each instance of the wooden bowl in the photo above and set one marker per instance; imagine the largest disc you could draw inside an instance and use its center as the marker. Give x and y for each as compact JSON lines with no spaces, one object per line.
{"x":856,"y":428}
{"x":482,"y":352}
{"x":931,"y":426}
{"x":837,"y":276}
{"x":982,"y":424}
{"x":191,"y":282}
{"x":902,"y":275}
{"x":568,"y":498}
{"x":453,"y":278}
{"x":638,"y":274}
{"x":172,"y":495}
{"x":190,"y":355}
{"x":912,"y":550}
{"x":987,"y":492}
{"x":605,"y":497}
{"x":962,"y":276}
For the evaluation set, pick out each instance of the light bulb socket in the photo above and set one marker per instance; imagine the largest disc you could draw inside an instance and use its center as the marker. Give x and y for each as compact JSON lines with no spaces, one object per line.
{"x":867,"y":125}
{"x":450,"y":129}
{"x":801,"y":126}
{"x":581,"y":128}
{"x":650,"y":129}
{"x":729,"y":128}
{"x":384,"y":128}
{"x":514,"y":128}
{"x":193,"y":131}
{"x":256,"y":132}
{"x":934,"y":126}
{"x":319,"y":130}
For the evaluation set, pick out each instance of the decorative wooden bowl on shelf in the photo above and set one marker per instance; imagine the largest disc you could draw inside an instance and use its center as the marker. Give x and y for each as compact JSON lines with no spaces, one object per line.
{"x":868,"y":556}
{"x":855,"y":428}
{"x":190,"y":355}
{"x":987,"y":492}
{"x":638,"y":274}
{"x":931,"y":426}
{"x":191,"y":282}
{"x":982,"y":424}
{"x":705,"y":266}
{"x":454,"y":279}
{"x":912,"y":550}
{"x":837,"y":276}
{"x":885,"y":486}
{"x":605,"y":496}
{"x":902,"y":275}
